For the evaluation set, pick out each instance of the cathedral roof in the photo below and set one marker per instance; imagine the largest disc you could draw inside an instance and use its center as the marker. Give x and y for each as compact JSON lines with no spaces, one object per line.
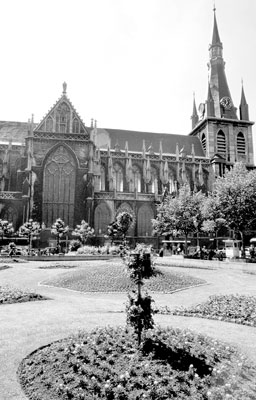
{"x":12,"y":130}
{"x":111,"y":137}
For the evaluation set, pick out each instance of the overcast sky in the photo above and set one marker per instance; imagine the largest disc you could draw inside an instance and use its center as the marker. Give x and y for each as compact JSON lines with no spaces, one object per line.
{"x":130,"y":64}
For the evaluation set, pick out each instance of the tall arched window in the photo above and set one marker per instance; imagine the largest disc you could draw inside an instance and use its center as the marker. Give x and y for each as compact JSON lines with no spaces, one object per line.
{"x":153,"y":185}
{"x":118,"y":178}
{"x":240,"y":142}
{"x":221,"y":144}
{"x":59,"y":182}
{"x":136,"y":179}
{"x":102,"y":178}
{"x":49,"y":124}
{"x":10,"y":214}
{"x":203,"y":140}
{"x":75,"y":126}
{"x":145,"y":215}
{"x":171,"y":181}
{"x":62,"y":118}
{"x":102,"y":218}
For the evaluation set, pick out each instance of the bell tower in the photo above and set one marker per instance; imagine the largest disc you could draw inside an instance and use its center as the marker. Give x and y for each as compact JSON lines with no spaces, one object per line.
{"x":226,"y":139}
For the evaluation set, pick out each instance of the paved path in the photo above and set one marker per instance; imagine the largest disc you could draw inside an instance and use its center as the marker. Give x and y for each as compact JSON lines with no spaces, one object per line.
{"x":26,"y":326}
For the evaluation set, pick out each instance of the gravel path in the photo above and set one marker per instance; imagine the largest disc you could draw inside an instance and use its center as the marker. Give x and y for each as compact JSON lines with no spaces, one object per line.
{"x":26,"y":326}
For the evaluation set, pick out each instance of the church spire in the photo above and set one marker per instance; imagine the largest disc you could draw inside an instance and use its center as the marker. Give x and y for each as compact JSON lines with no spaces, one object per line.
{"x":243,"y":108}
{"x":215,"y":35}
{"x":223,"y":105}
{"x":194,"y":116}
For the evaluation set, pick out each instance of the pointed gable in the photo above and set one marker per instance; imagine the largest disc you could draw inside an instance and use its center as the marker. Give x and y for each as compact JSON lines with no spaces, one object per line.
{"x":62,"y":118}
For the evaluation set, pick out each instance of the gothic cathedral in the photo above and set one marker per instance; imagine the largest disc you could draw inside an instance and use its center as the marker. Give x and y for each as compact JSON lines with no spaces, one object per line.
{"x":61,"y":168}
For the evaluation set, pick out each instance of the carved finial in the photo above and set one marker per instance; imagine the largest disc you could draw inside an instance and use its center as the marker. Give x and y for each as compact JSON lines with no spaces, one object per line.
{"x":95,"y":123}
{"x":91,"y":122}
{"x":214,"y":8}
{"x":64,"y":88}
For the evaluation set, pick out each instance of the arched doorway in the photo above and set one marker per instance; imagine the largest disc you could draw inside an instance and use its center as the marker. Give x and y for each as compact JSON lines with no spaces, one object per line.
{"x":59,"y":187}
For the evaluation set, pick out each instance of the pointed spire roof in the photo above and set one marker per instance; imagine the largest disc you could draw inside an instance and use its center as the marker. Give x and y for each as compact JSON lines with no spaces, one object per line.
{"x":243,"y":99}
{"x":194,"y":116}
{"x":223,"y":105}
{"x":210,"y":103}
{"x":215,"y":34}
{"x":243,"y":108}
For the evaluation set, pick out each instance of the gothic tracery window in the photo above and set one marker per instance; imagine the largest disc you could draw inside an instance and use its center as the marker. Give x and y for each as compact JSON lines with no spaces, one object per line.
{"x":75,"y":126}
{"x":59,"y":181}
{"x":49,"y":124}
{"x":171,"y":182}
{"x":10,"y":214}
{"x":145,"y":215}
{"x":102,"y":218}
{"x":62,"y":118}
{"x":136,"y":179}
{"x":118,"y":178}
{"x":102,"y":178}
{"x":153,"y":185}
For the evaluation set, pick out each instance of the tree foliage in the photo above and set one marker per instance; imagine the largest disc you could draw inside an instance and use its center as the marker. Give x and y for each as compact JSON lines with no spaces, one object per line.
{"x":119,"y":227}
{"x":59,"y":229}
{"x":6,"y":228}
{"x":179,"y":215}
{"x":83,"y":231}
{"x":30,"y":228}
{"x":235,"y":197}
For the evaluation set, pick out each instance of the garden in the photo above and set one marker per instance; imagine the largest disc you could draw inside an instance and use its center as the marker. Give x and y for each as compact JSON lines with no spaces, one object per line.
{"x":139,"y":360}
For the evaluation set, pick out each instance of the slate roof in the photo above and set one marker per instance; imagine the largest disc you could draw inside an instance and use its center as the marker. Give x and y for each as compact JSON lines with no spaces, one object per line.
{"x":169,"y":141}
{"x":17,"y":131}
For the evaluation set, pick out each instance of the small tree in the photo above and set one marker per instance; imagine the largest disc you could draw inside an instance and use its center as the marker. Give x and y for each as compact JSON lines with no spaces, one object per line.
{"x":59,"y":229}
{"x":83,"y":231}
{"x":139,"y":307}
{"x":119,"y":227}
{"x":6,"y":228}
{"x":30,"y":229}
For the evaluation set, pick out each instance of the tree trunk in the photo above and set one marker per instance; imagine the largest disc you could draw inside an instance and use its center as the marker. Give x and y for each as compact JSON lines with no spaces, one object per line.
{"x":242,"y":245}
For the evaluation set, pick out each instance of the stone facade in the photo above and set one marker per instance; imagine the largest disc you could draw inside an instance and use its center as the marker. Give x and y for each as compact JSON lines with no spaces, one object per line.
{"x":63,"y":168}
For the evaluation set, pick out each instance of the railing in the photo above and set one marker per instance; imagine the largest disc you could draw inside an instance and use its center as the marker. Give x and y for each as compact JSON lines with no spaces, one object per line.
{"x":127,"y":196}
{"x":10,"y":195}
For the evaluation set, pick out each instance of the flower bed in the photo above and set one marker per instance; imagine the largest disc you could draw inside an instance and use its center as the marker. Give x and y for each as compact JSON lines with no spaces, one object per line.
{"x":56,"y":266}
{"x":112,"y":277}
{"x":8,"y":260}
{"x":3,"y":267}
{"x":106,"y":364}
{"x":231,"y":308}
{"x":9,"y":295}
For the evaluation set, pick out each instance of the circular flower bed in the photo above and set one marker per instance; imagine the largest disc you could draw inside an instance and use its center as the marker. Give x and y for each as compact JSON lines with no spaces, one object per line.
{"x":231,"y":308}
{"x":3,"y":267}
{"x":9,"y":295}
{"x":113,"y":277}
{"x":106,"y":364}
